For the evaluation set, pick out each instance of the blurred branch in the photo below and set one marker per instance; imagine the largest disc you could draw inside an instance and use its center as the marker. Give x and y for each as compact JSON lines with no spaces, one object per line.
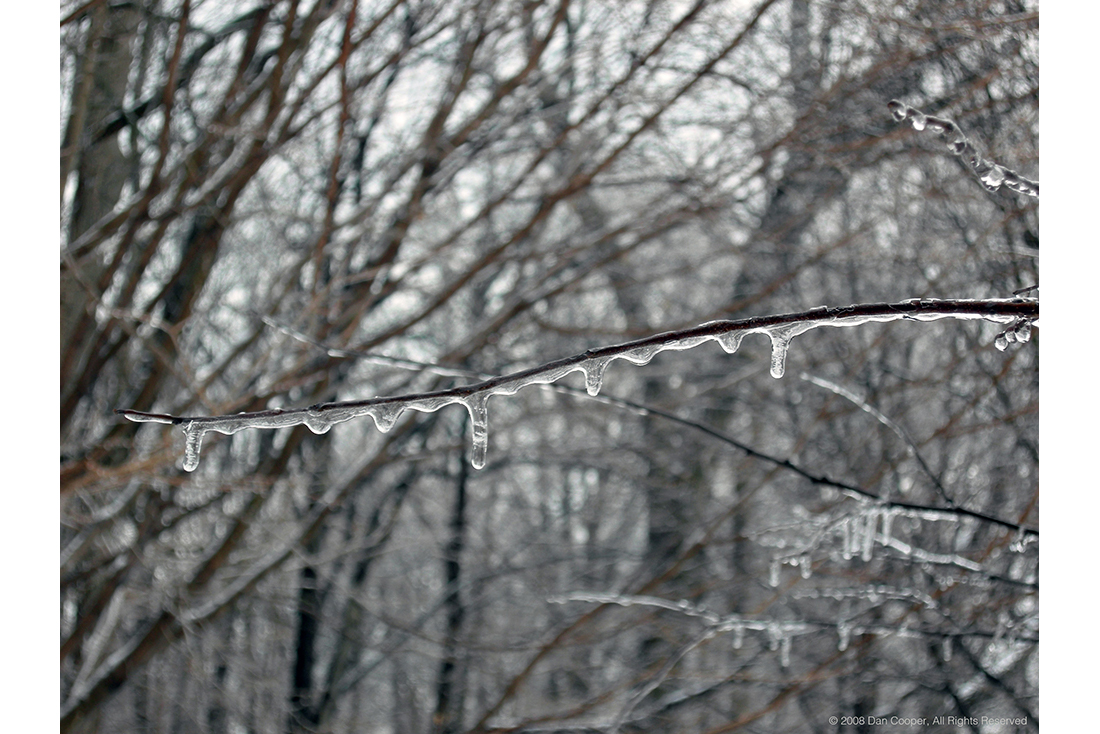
{"x":992,"y":175}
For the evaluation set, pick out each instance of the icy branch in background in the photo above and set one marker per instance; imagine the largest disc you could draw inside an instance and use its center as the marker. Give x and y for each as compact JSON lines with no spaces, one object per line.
{"x":992,"y":175}
{"x":778,"y":633}
{"x":780,"y":330}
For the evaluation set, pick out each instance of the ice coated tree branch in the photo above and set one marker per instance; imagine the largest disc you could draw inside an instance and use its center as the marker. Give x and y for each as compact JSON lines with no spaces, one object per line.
{"x":780,"y":329}
{"x":778,"y":631}
{"x":864,"y":495}
{"x":992,"y":175}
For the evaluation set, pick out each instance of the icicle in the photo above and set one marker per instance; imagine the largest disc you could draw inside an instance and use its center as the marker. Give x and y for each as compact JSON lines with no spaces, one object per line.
{"x":785,"y":651}
{"x":730,"y":341}
{"x":386,"y":415}
{"x":805,"y":566}
{"x":193,"y":437}
{"x":846,"y":540}
{"x":887,"y":521}
{"x":843,"y":632}
{"x":781,"y":341}
{"x":773,"y":636}
{"x":593,"y":375}
{"x":1001,"y":342}
{"x":773,"y":573}
{"x":947,"y":651}
{"x":478,"y":407}
{"x":870,"y":520}
{"x":738,"y":636}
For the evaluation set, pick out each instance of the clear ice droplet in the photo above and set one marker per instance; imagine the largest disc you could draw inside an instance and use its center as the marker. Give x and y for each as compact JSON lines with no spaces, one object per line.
{"x":317,"y":423}
{"x":730,"y":341}
{"x":994,"y":177}
{"x":386,"y":415}
{"x":1001,"y":342}
{"x":1023,"y":331}
{"x":640,"y":355}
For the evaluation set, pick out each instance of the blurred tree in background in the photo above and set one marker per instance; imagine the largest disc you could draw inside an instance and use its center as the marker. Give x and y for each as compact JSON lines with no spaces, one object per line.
{"x":272,"y":204}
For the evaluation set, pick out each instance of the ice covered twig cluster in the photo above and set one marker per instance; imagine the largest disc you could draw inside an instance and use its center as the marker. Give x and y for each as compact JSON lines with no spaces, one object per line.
{"x":992,"y":175}
{"x":780,"y":329}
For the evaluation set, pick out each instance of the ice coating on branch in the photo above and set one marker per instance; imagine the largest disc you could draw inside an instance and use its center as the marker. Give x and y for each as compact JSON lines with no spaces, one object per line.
{"x":729,"y":334}
{"x":992,"y":175}
{"x":478,"y":407}
{"x":640,"y":356}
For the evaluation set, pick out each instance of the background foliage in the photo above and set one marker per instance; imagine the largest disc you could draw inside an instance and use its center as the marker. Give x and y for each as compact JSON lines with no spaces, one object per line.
{"x":276,"y":204}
